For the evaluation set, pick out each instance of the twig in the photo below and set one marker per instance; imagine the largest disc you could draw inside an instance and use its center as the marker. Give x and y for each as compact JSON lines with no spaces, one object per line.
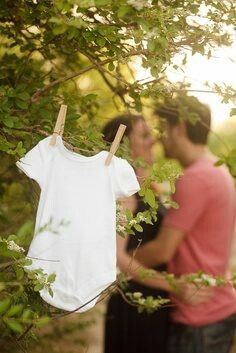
{"x":82,"y":306}
{"x":132,"y":258}
{"x":25,"y":332}
{"x":125,"y":298}
{"x":36,"y":130}
{"x":37,"y":258}
{"x":46,"y":88}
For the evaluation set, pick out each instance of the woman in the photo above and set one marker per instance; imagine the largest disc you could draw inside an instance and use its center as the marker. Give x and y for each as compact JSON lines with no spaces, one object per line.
{"x":126,"y":330}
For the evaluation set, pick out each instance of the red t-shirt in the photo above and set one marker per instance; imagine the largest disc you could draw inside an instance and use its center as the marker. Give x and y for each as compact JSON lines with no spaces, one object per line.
{"x":207,"y":208}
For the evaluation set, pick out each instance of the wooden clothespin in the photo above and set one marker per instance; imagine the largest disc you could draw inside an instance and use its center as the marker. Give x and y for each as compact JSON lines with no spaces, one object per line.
{"x":115,"y":143}
{"x":60,"y":123}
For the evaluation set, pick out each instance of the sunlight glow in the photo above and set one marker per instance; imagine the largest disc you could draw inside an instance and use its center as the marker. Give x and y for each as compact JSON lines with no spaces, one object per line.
{"x":220,"y":69}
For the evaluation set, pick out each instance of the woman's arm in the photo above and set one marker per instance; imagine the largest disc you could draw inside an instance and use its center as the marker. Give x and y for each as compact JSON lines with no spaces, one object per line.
{"x":128,"y":264}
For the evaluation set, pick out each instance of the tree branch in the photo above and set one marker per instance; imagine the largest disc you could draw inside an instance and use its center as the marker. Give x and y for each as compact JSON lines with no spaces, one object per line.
{"x":36,"y":130}
{"x":45,"y":89}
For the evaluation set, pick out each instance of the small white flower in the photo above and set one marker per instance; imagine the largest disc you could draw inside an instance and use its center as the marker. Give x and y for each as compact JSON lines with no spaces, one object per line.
{"x":152,"y":34}
{"x":118,"y":207}
{"x":141,"y":301}
{"x":207,"y":279}
{"x":139,"y":4}
{"x":132,"y":222}
{"x":41,"y":279}
{"x":197,"y":280}
{"x":121,"y":217}
{"x":210,"y":280}
{"x":13,"y":246}
{"x":142,"y":218}
{"x":120,"y":228}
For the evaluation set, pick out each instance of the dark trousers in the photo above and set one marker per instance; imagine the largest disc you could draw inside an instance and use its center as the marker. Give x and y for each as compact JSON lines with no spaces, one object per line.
{"x":214,"y":338}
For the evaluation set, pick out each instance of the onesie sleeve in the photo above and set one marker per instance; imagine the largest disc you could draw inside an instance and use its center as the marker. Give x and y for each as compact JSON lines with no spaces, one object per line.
{"x":125,"y":183}
{"x":33,"y":164}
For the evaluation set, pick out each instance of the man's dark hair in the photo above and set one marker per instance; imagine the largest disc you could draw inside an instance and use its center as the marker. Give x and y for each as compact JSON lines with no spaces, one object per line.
{"x":196,"y":116}
{"x":110,"y":129}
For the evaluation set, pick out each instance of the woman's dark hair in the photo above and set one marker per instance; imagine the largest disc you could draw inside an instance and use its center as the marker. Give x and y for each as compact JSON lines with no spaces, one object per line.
{"x":110,"y":129}
{"x":196,"y":116}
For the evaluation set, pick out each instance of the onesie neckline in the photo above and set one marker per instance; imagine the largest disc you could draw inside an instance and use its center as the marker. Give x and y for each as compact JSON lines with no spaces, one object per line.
{"x":74,"y":155}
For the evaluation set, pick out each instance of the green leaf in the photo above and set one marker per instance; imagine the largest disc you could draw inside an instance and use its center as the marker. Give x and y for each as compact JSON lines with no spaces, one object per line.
{"x":151,"y":45}
{"x":233,"y":112}
{"x":138,"y":227}
{"x":27,"y":313}
{"x":150,"y":198}
{"x":72,"y":116}
{"x":111,"y":66}
{"x":14,"y":325}
{"x":50,"y":292}
{"x":100,"y":41}
{"x":8,"y":121}
{"x":130,"y":231}
{"x":27,"y":262}
{"x":23,"y":96}
{"x":138,"y":36}
{"x":72,"y":32}
{"x":4,"y":305}
{"x":4,"y":251}
{"x":77,"y":23}
{"x":38,"y":287}
{"x":21,"y":87}
{"x":128,"y":214}
{"x":99,"y":3}
{"x":59,"y":29}
{"x":11,"y":93}
{"x":138,"y":106}
{"x":42,"y":321}
{"x":155,"y":71}
{"x":86,"y":3}
{"x":193,"y":118}
{"x":89,"y":98}
{"x":172,"y":204}
{"x":142,"y":190}
{"x":163,"y":42}
{"x":172,"y":186}
{"x":20,"y":149}
{"x":21,"y":104}
{"x":5,"y":145}
{"x":219,"y":162}
{"x":14,"y":310}
{"x":51,"y":277}
{"x":124,"y":10}
{"x":184,"y":61}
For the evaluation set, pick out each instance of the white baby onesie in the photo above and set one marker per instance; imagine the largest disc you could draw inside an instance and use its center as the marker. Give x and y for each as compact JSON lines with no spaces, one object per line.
{"x":75,"y":229}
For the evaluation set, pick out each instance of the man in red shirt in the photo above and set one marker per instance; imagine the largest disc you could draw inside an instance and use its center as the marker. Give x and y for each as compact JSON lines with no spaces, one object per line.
{"x":197,"y":235}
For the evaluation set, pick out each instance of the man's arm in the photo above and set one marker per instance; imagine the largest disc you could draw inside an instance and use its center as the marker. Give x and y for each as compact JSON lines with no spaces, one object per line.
{"x":162,"y":248}
{"x":192,"y":198}
{"x":186,"y":292}
{"x":132,"y":268}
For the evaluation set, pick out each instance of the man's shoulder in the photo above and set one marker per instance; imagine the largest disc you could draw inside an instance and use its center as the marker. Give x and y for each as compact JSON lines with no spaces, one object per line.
{"x":206,"y":175}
